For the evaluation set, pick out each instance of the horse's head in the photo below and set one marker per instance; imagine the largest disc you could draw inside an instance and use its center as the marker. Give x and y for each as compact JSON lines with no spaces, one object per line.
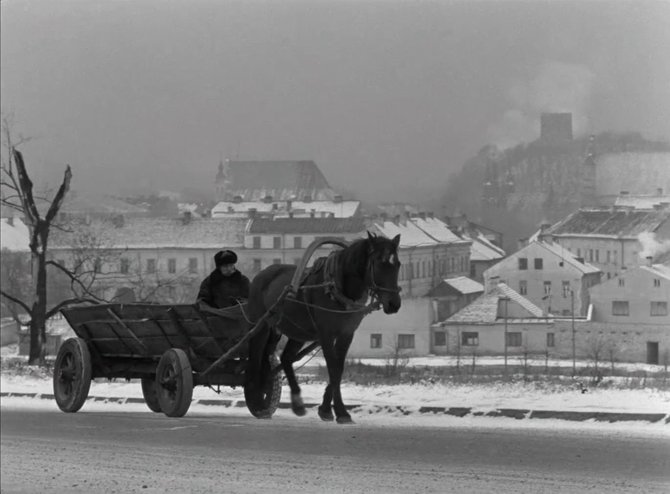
{"x":383,"y":266}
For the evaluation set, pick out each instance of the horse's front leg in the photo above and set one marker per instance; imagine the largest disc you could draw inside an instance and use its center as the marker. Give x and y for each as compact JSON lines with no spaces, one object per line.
{"x":335,"y":355}
{"x":287,"y":358}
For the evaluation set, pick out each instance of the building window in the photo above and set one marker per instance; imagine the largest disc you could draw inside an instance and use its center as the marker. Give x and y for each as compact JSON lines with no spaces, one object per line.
{"x":151,"y":265}
{"x":514,"y":339}
{"x":97,"y":265}
{"x":659,"y":309}
{"x":276,"y":260}
{"x":538,"y":263}
{"x":579,"y":252}
{"x":297,"y":242}
{"x":597,"y":255}
{"x":469,"y":339}
{"x":192,"y":265}
{"x":276,"y":242}
{"x":125,"y":265}
{"x":547,"y":287}
{"x":620,"y":307}
{"x":257,"y":242}
{"x":172,"y":265}
{"x":171,"y":292}
{"x":440,"y":338}
{"x":523,"y":287}
{"x":622,"y":282}
{"x":523,"y":263}
{"x":550,"y":340}
{"x":565,"y":285}
{"x":257,"y":265}
{"x":375,"y":340}
{"x":590,"y":255}
{"x":405,"y":341}
{"x":608,"y":256}
{"x":657,"y":282}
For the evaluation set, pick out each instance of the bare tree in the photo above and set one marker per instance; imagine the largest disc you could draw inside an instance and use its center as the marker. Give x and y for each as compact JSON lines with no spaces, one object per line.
{"x":396,"y":359}
{"x":15,"y":279}
{"x":596,"y":348}
{"x":18,"y":194}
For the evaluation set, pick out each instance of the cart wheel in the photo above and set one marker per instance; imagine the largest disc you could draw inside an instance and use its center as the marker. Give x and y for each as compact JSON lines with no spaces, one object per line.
{"x":271,"y":394}
{"x":72,"y":375}
{"x":150,"y":393}
{"x":174,"y":383}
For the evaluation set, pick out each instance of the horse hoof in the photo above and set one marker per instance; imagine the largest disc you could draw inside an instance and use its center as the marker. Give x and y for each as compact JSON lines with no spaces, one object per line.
{"x":326,"y":416}
{"x":299,"y":411}
{"x":345,"y":420}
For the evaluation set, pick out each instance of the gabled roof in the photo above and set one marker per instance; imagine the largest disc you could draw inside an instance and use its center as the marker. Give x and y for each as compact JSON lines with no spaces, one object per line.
{"x":436,"y":229}
{"x":483,"y":250}
{"x":569,"y":257}
{"x":14,"y":235}
{"x":628,"y":223}
{"x":485,"y":309}
{"x":282,"y":180}
{"x":82,"y":203}
{"x":464,"y":285}
{"x":659,"y":270}
{"x":154,"y":233}
{"x":410,"y":234}
{"x":318,"y":226}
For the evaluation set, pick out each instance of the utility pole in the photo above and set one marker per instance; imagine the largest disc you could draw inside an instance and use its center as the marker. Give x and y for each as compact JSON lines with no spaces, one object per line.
{"x":505,"y":300}
{"x":572,"y":311}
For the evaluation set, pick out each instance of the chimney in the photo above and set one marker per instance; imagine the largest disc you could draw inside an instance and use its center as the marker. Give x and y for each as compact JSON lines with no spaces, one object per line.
{"x":649,"y":260}
{"x":337,"y":199}
{"x":492,"y":283}
{"x":252,"y":212}
{"x":430,"y":214}
{"x":422,"y":215}
{"x":237,"y":199}
{"x":267,"y":199}
{"x":396,"y":219}
{"x":185,"y":218}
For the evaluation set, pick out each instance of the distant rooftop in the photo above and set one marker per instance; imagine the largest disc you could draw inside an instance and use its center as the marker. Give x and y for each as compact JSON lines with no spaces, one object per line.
{"x":611,"y":222}
{"x":320,"y":226}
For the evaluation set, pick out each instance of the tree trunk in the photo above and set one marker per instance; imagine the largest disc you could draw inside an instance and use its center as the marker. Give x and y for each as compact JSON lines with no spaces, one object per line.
{"x":38,"y":338}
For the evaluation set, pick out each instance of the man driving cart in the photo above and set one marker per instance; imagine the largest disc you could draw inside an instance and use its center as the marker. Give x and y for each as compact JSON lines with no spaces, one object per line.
{"x":226,"y":285}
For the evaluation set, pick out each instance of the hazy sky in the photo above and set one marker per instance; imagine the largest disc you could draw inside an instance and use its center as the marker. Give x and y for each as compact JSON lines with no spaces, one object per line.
{"x":386,"y":96}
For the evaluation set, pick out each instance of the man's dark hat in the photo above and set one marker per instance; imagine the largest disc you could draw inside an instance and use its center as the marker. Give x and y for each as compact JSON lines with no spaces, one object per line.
{"x":225,"y":257}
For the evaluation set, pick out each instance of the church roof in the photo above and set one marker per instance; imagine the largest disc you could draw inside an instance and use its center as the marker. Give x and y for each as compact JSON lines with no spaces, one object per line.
{"x":281,"y":180}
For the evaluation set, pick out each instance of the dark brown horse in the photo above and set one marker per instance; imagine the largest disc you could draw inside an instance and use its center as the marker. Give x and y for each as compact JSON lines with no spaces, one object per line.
{"x":327,"y":307}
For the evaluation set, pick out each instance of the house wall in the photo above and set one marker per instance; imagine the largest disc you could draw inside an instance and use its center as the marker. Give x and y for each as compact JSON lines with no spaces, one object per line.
{"x":638,"y":288}
{"x":610,"y":255}
{"x":413,"y":318}
{"x":622,"y":342}
{"x":425,"y":266}
{"x":559,"y":300}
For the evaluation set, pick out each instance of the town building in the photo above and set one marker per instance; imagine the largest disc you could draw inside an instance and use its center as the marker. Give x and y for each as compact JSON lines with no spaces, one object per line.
{"x":280,"y":180}
{"x":630,"y":314}
{"x":548,"y":275}
{"x":284,"y":240}
{"x":612,"y":239}
{"x":270,"y":208}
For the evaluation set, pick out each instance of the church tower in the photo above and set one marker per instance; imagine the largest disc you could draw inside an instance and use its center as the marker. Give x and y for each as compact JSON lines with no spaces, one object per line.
{"x":222,"y":181}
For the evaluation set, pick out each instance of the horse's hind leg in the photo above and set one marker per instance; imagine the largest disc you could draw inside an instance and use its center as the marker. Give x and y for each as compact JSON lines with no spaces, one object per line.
{"x":335,"y":354}
{"x":287,"y":357}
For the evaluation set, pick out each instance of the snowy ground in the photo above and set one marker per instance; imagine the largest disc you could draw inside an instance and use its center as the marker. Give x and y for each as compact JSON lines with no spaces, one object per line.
{"x":410,"y":397}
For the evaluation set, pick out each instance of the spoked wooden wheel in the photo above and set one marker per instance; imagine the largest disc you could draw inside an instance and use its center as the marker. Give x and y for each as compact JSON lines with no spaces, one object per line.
{"x":72,"y":375}
{"x":263,"y":407}
{"x":150,"y":393}
{"x":174,"y":383}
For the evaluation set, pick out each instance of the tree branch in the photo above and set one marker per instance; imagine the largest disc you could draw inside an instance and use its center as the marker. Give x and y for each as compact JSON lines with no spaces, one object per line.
{"x":60,"y":196}
{"x":16,"y":301}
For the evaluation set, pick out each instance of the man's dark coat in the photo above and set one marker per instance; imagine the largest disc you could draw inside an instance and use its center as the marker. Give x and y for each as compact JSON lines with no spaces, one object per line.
{"x":221,"y":291}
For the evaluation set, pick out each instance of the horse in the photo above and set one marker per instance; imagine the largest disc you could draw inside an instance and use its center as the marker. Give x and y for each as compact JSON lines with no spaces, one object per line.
{"x":327,"y":307}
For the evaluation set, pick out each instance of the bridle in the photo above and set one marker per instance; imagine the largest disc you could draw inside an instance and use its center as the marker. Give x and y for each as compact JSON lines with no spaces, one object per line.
{"x":375,"y":289}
